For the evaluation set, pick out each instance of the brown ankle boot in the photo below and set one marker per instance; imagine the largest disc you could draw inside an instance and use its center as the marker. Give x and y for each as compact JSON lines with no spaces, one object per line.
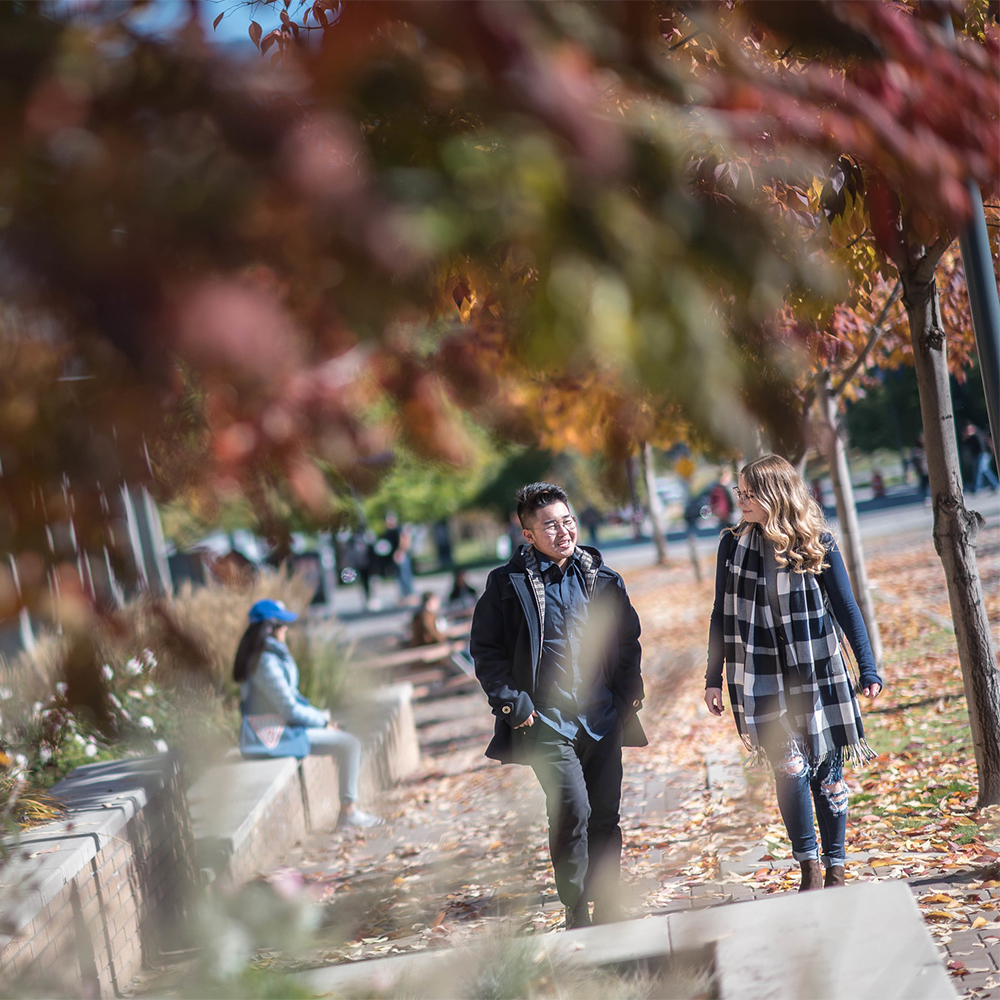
{"x":834,"y":877}
{"x":812,"y":875}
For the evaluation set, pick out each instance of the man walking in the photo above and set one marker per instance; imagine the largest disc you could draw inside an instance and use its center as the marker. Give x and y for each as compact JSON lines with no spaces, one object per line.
{"x":555,"y":642}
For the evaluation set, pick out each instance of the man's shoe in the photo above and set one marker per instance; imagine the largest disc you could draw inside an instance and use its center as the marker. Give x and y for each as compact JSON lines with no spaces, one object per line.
{"x":578,"y":916}
{"x":834,"y":877}
{"x":812,"y":875}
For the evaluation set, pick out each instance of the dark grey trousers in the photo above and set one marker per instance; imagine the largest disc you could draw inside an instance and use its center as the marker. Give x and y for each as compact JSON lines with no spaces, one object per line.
{"x":582,"y":781}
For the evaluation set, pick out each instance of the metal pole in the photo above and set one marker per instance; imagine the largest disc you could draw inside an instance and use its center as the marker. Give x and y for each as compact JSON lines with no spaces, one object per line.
{"x":984,"y":303}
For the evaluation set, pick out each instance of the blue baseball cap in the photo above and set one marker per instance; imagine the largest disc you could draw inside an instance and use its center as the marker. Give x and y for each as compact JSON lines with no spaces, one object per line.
{"x":271,"y":611}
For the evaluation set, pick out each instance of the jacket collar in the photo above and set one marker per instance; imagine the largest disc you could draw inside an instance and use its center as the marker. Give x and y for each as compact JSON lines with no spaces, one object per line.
{"x":590,"y":563}
{"x":272,"y":645}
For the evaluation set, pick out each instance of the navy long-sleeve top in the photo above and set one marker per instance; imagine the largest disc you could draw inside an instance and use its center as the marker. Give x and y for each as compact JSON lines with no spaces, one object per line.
{"x":565,"y":699}
{"x":833,"y":579}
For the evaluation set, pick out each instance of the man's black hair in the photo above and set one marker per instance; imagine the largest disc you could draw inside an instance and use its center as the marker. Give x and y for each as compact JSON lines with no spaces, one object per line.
{"x":534,"y":496}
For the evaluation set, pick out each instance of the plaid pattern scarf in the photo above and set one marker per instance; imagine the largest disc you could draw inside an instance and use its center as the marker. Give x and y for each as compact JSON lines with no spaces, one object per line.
{"x":784,"y":666}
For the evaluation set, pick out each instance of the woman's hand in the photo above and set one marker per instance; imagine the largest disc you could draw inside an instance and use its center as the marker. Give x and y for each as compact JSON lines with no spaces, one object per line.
{"x":872,"y":690}
{"x":713,"y":698}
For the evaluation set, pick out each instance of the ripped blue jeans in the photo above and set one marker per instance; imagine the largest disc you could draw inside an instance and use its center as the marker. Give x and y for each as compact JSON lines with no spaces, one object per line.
{"x":798,"y":788}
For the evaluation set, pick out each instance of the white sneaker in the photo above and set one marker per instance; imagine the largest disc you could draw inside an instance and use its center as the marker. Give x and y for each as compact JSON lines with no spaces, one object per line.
{"x":361,"y":819}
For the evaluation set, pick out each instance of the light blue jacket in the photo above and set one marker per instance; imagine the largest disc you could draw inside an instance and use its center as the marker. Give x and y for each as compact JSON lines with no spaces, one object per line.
{"x":273,"y":689}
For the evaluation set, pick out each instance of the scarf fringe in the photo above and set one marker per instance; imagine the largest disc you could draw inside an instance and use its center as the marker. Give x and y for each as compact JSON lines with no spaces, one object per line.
{"x":856,"y":755}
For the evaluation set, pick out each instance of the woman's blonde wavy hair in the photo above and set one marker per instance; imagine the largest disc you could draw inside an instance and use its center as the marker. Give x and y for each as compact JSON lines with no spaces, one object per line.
{"x":794,"y":521}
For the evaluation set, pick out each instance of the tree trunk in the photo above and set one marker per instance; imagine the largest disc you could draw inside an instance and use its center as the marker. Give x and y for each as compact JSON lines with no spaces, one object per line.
{"x":656,"y":514}
{"x":850,"y":533}
{"x":955,"y":528}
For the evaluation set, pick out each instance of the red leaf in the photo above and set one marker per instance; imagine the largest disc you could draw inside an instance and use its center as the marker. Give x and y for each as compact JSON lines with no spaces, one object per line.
{"x":255,"y":32}
{"x":269,"y":39}
{"x":215,"y":23}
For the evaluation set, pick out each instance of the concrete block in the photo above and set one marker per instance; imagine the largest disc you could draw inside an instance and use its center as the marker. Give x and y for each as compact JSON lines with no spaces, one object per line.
{"x":321,"y":787}
{"x":867,"y":942}
{"x":815,"y":946}
{"x":231,"y":800}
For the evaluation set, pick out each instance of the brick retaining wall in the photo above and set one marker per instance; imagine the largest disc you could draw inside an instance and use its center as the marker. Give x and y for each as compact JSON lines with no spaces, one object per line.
{"x":87,"y":899}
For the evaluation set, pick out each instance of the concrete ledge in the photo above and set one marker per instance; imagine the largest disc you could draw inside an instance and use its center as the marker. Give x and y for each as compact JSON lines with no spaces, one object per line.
{"x":867,"y":942}
{"x":246,"y":813}
{"x":245,"y":809}
{"x":86,"y":898}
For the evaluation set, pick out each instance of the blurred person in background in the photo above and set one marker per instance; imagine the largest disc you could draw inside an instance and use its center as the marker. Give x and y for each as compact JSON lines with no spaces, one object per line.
{"x":918,"y":459}
{"x":427,"y":627}
{"x":277,"y":720}
{"x":721,"y":499}
{"x":782,"y":598}
{"x":403,"y":558}
{"x":441,"y":532}
{"x":878,"y":485}
{"x":979,"y":455}
{"x":590,"y":518}
{"x":462,"y":597}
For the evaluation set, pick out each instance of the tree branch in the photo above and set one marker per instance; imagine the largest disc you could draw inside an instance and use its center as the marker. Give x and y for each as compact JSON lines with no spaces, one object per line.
{"x":857,"y":239}
{"x":686,"y":39}
{"x":925,"y":268}
{"x":873,"y":334}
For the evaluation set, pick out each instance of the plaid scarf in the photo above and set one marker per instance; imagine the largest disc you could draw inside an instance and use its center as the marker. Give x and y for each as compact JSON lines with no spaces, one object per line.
{"x":785,"y":669}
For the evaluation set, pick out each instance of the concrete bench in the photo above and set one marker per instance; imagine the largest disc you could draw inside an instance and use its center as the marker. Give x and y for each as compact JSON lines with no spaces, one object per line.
{"x":246,"y":813}
{"x":412,"y":656}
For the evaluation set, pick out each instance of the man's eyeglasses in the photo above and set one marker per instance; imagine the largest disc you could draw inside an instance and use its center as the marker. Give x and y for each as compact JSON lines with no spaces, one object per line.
{"x":562,"y":524}
{"x":747,"y":495}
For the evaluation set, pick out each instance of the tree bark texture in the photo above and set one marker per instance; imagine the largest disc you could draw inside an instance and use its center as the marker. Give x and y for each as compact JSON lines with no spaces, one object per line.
{"x":956,"y":528}
{"x":847,"y":513}
{"x":656,"y":514}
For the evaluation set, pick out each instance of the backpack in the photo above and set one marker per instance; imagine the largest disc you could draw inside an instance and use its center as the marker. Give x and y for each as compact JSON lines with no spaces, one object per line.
{"x":720,"y":501}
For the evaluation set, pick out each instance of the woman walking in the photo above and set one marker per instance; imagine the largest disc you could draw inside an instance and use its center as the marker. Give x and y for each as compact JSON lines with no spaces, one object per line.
{"x":782,"y":600}
{"x":278,"y":721}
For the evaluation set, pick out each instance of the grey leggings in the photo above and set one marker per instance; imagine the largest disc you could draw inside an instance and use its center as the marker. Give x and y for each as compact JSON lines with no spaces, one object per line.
{"x":347,"y":749}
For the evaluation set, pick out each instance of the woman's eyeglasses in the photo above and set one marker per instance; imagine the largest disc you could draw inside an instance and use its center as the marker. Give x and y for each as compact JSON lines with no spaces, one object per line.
{"x":747,"y":495}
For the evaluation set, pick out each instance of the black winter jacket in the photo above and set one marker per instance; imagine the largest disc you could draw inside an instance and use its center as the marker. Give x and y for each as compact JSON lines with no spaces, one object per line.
{"x":506,"y":645}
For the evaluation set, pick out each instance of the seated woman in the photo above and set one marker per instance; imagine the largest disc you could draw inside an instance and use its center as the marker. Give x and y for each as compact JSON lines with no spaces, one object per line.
{"x":278,"y":721}
{"x":426,"y":628}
